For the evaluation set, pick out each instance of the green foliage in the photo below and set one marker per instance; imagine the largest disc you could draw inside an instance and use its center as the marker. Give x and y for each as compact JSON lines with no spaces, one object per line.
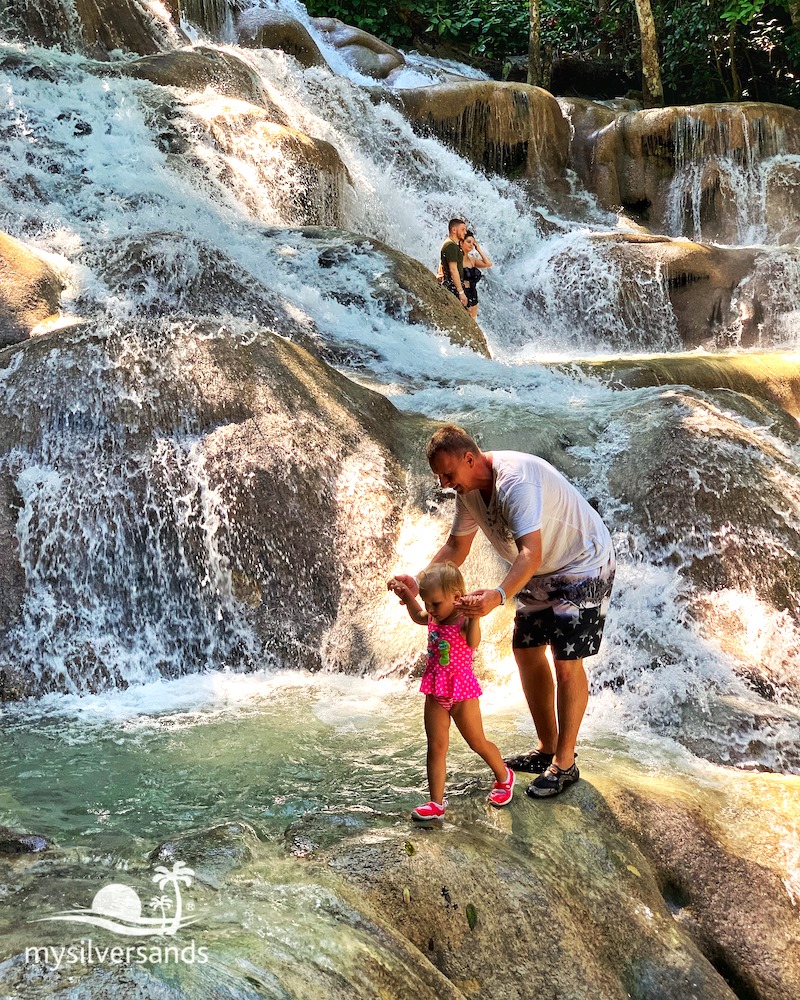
{"x":707,"y":47}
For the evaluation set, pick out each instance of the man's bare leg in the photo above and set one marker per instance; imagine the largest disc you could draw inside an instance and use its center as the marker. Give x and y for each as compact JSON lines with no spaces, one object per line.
{"x":539,"y":688}
{"x":572,"y":697}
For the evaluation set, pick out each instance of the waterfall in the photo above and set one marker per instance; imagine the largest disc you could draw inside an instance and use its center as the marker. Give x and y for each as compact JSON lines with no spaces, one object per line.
{"x":733,"y":178}
{"x":172,"y":203}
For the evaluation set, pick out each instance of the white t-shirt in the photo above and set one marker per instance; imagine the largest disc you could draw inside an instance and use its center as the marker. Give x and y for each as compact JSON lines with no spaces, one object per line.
{"x":528,"y":495}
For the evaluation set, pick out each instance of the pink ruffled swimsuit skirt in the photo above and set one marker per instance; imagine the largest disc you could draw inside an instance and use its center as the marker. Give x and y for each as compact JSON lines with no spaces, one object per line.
{"x":448,"y":673}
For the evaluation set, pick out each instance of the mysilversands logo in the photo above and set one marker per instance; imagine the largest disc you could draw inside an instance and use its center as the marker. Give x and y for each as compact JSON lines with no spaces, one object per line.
{"x":118,"y":908}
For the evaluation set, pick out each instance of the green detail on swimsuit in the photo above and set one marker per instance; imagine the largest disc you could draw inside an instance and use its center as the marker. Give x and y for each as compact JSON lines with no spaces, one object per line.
{"x":444,"y":653}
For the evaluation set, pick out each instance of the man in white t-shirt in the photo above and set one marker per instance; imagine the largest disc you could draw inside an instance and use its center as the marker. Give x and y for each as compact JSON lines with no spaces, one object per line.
{"x":561,"y":573}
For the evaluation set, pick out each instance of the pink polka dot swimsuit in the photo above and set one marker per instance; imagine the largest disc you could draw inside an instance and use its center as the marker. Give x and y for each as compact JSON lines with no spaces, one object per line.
{"x":448,"y":673}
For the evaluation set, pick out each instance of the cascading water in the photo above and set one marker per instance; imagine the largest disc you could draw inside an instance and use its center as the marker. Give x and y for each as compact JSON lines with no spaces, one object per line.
{"x":65,"y":193}
{"x":733,"y":180}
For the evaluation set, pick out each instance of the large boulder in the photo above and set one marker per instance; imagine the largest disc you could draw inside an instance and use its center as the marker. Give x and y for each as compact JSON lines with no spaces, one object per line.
{"x":699,"y":485}
{"x":364,"y":52}
{"x":732,"y":898}
{"x":93,"y":27}
{"x":304,"y":176}
{"x":693,"y":170}
{"x":200,"y":67}
{"x":720,"y":296}
{"x":539,"y":902}
{"x":505,"y":128}
{"x":30,"y":291}
{"x":285,"y":496}
{"x":258,"y":28}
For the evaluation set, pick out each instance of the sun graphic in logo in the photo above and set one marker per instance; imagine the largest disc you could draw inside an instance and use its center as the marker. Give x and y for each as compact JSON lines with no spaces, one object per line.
{"x":118,"y":908}
{"x":118,"y":900}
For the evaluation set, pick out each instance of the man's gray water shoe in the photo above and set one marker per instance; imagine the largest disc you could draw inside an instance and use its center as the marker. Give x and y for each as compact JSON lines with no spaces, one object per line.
{"x":530,"y":763}
{"x":553,"y":781}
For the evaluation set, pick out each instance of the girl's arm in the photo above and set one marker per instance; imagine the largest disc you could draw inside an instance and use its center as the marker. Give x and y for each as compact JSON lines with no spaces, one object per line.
{"x":471,"y":630}
{"x":415,"y":611}
{"x":406,"y":597}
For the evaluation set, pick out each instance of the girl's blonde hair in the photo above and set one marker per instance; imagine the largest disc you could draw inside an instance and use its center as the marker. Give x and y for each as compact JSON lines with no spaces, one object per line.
{"x":445,"y":575}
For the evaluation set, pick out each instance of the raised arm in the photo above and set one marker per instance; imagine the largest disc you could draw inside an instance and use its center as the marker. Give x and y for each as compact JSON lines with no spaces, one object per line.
{"x":403,"y":591}
{"x":485,"y":261}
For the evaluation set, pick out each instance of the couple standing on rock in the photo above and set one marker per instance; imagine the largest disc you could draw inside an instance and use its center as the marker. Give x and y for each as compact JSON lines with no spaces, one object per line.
{"x":459,"y":249}
{"x":561,"y":571}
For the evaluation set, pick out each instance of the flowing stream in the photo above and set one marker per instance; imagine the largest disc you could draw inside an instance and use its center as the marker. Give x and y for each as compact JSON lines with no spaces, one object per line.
{"x":161,"y":730}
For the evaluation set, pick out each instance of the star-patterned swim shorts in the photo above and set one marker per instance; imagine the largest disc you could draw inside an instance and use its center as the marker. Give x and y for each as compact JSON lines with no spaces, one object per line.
{"x":566,"y":614}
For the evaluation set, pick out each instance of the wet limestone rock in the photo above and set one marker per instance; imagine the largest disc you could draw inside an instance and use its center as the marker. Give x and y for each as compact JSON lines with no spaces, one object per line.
{"x":200,"y":67}
{"x":546,"y":900}
{"x":257,"y":28}
{"x":211,"y":853}
{"x":364,"y":52}
{"x":13,"y":842}
{"x":721,"y":296}
{"x":774,"y":377}
{"x":30,"y":291}
{"x":313,"y":177}
{"x":93,"y":27}
{"x":736,"y":908}
{"x":634,"y":160}
{"x":505,"y":128}
{"x":301,"y":458}
{"x":695,"y":467}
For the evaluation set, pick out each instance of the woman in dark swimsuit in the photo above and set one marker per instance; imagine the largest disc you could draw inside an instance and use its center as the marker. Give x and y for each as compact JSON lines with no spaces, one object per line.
{"x":475,"y":260}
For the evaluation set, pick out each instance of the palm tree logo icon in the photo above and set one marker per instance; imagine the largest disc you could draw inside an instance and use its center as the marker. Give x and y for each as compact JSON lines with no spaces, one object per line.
{"x":117,"y":907}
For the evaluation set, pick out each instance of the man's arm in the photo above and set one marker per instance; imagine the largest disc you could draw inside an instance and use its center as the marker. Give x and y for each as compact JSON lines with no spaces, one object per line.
{"x":455,"y":549}
{"x":529,"y":559}
{"x":455,"y":277}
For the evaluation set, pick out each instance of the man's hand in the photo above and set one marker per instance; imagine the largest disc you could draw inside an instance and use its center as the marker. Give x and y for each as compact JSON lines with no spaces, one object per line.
{"x":462,"y":298}
{"x":404,"y":586}
{"x":479,"y":603}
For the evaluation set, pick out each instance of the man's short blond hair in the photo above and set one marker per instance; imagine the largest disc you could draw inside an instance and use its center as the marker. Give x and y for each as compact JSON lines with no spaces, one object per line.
{"x":452,"y":440}
{"x":445,"y":575}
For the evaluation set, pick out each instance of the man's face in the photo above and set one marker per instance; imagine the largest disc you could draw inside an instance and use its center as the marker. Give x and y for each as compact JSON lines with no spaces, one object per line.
{"x":455,"y":472}
{"x":461,"y":231}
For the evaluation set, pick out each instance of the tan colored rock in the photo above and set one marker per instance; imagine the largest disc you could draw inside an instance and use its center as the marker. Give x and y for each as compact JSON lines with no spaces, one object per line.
{"x":773,"y":377}
{"x":728,"y":896}
{"x":536,"y":901}
{"x":305,"y":176}
{"x":364,"y":52}
{"x":258,"y":28}
{"x":720,"y":295}
{"x":633,"y":159}
{"x":30,"y":291}
{"x":200,"y":67}
{"x":505,"y":128}
{"x":94,"y":27}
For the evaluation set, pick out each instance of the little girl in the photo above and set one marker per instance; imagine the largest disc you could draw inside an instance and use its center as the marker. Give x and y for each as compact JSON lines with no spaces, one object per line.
{"x":449,"y":685}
